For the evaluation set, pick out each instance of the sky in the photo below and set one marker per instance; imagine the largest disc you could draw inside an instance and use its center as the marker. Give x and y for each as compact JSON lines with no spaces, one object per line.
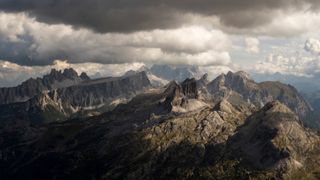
{"x":109,"y":37}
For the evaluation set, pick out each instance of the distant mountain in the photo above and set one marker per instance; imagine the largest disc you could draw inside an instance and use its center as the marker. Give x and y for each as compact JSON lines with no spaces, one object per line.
{"x":154,"y":80}
{"x":313,"y":118}
{"x":302,"y":83}
{"x":239,"y":88}
{"x":179,"y":73}
{"x":32,"y":87}
{"x":92,"y":97}
{"x":83,"y":99}
{"x":160,"y":75}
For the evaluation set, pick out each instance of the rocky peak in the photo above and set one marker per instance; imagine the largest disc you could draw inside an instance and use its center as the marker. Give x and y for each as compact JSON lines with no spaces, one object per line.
{"x":32,"y":87}
{"x":239,"y":76}
{"x":143,"y":68}
{"x":173,"y":91}
{"x":217,"y":84}
{"x":180,"y":95}
{"x":236,"y":86}
{"x":70,"y":73}
{"x":59,"y":75}
{"x":239,"y":81}
{"x":179,"y":73}
{"x":130,"y":73}
{"x":202,"y":84}
{"x":54,"y":72}
{"x":139,"y":78}
{"x":29,"y":82}
{"x":84,"y":76}
{"x":171,"y":86}
{"x":189,"y":88}
{"x":204,"y":77}
{"x":203,"y":81}
{"x":53,"y":75}
{"x":242,"y":74}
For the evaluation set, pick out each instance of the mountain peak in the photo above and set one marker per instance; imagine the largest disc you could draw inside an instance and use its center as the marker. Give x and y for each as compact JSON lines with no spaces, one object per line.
{"x":189,"y":88}
{"x":179,"y":73}
{"x":53,"y":80}
{"x":171,"y":86}
{"x":276,"y":135}
{"x":276,"y":106}
{"x":70,"y":73}
{"x":130,"y":73}
{"x":204,"y":78}
{"x":241,"y":74}
{"x":54,"y":72}
{"x":84,"y":76}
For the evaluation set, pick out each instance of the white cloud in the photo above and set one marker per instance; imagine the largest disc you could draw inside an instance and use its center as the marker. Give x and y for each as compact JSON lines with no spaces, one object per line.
{"x":252,"y":45}
{"x":299,"y":66}
{"x":186,"y":45}
{"x":312,"y":46}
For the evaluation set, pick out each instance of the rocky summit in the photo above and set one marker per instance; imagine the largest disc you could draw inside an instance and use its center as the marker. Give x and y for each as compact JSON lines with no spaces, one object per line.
{"x":237,"y":87}
{"x":86,"y":98}
{"x":127,"y":128}
{"x":32,"y":87}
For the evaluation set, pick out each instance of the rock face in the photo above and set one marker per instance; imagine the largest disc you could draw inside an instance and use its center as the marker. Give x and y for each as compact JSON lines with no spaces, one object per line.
{"x":172,"y":98}
{"x":97,"y":92}
{"x":274,"y":138}
{"x":84,"y":76}
{"x":59,"y":104}
{"x":189,"y":88}
{"x":173,"y":132}
{"x":313,"y":118}
{"x":222,"y":142}
{"x":238,"y":86}
{"x":30,"y":88}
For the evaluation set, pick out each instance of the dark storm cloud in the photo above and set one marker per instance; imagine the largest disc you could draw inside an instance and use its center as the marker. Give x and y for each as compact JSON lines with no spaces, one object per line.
{"x":133,"y":15}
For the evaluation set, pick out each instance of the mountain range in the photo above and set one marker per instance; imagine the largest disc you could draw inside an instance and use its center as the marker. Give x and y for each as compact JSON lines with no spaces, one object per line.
{"x":89,"y":96}
{"x":31,"y":87}
{"x":145,"y":125}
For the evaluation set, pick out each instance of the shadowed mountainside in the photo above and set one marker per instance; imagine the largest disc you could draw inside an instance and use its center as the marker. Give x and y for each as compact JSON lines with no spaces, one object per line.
{"x":229,"y":128}
{"x":32,"y":87}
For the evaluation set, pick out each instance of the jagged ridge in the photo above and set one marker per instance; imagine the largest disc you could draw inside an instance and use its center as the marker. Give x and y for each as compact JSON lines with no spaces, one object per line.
{"x":28,"y":89}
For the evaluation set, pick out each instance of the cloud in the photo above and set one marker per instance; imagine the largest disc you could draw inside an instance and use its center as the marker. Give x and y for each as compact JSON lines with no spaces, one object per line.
{"x":35,"y":43}
{"x":252,"y":45}
{"x":140,"y":15}
{"x":171,"y":32}
{"x":285,"y":24}
{"x":312,"y":46}
{"x":12,"y":74}
{"x":290,"y":65}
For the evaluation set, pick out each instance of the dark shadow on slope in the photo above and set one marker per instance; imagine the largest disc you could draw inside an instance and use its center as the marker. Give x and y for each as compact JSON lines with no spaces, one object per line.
{"x":253,"y":142}
{"x":106,"y":149}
